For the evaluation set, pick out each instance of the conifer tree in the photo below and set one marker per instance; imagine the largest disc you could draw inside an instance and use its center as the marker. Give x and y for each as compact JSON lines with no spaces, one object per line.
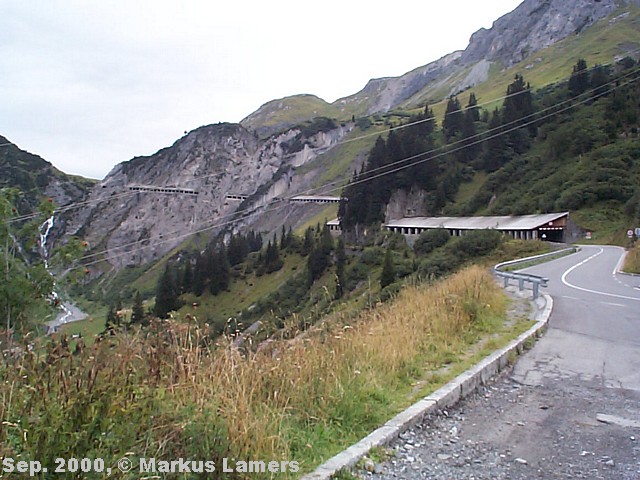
{"x":579,"y":80}
{"x":137,"y":310}
{"x":166,"y":294}
{"x":388,"y":274}
{"x":341,"y":258}
{"x":518,"y":110}
{"x":453,"y":118}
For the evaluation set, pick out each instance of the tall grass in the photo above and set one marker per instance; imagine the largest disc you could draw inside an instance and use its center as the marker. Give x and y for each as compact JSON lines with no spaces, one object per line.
{"x":632,"y":260}
{"x":169,"y":392}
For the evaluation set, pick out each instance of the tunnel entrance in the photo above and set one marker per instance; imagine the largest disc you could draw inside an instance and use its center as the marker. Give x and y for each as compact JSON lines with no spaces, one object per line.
{"x":551,"y":235}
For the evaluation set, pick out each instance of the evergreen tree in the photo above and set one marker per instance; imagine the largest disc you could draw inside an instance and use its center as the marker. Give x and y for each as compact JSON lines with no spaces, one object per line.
{"x":326,"y":240}
{"x":453,"y":118}
{"x":220,"y":274}
{"x":579,"y":80}
{"x":472,"y":109}
{"x":341,"y":259}
{"x":137,"y":311}
{"x":166,"y":294}
{"x":272,"y":260}
{"x":388,"y":274}
{"x":496,"y":151}
{"x":518,"y":110}
{"x":187,"y":277}
{"x":199,"y":275}
{"x":307,"y":244}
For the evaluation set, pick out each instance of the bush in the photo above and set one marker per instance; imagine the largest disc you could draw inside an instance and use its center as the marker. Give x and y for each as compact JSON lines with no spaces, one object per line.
{"x":429,"y":240}
{"x":438,"y":264}
{"x":478,"y":242}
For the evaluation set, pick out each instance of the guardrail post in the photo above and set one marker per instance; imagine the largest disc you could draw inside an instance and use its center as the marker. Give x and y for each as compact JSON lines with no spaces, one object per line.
{"x":535,"y":285}
{"x":506,"y":282}
{"x":521,"y":283}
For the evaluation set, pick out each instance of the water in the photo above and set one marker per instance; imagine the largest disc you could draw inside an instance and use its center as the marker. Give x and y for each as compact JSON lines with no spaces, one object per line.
{"x":67,"y":309}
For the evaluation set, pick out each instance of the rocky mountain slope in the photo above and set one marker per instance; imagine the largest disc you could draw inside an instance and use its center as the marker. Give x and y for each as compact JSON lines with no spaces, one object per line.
{"x":533,"y":26}
{"x":136,"y":224}
{"x":279,"y":151}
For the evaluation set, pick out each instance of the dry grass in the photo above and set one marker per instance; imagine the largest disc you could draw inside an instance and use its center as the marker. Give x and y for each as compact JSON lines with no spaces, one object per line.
{"x":632,"y":260}
{"x":170,"y":392}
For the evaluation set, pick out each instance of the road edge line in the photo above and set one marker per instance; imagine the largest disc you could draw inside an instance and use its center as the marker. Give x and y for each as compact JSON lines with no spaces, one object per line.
{"x":445,"y":397}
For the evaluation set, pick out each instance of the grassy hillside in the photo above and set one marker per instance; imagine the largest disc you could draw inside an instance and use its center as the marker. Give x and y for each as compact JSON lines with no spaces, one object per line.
{"x":36,"y":178}
{"x":278,"y":115}
{"x":602,"y":43}
{"x":300,"y":400}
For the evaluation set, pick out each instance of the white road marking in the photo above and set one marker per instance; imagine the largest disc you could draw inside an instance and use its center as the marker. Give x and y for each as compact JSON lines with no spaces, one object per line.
{"x":570,"y":285}
{"x":616,"y":269}
{"x":613,"y":304}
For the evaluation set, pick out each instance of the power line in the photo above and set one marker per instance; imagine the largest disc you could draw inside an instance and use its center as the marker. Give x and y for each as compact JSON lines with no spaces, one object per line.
{"x":400,"y":164}
{"x":72,"y":206}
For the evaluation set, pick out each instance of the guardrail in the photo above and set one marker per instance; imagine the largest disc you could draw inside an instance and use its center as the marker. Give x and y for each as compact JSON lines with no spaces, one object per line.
{"x":536,"y":281}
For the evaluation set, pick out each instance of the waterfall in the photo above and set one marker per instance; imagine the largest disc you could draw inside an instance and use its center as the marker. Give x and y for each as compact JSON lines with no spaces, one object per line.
{"x":69,"y":311}
{"x":46,"y":226}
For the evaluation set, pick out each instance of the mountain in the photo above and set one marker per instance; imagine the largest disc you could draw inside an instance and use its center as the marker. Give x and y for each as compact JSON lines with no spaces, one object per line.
{"x":206,"y":165}
{"x":515,"y":37}
{"x":291,"y":145}
{"x":36,"y":178}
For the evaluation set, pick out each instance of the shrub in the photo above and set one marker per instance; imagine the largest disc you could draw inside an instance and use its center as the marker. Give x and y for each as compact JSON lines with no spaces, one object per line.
{"x":438,"y":264}
{"x":478,"y":242}
{"x":429,"y":240}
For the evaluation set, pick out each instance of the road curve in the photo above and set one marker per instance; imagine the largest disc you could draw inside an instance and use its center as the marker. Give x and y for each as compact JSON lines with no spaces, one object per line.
{"x":594,"y":330}
{"x":570,"y":407}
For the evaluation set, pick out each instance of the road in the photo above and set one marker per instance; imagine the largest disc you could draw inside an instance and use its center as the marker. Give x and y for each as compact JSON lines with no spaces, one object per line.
{"x":570,"y":408}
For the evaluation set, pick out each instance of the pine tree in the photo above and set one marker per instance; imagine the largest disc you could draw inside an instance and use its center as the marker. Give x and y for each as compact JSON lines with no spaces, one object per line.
{"x":579,"y":80}
{"x":220,"y":271}
{"x":166,"y":294}
{"x":341,"y":259}
{"x":496,"y":151}
{"x":472,"y":108}
{"x":137,"y":311}
{"x":187,"y":277}
{"x":452,"y":123}
{"x":518,"y":110}
{"x":388,"y":274}
{"x":307,"y":244}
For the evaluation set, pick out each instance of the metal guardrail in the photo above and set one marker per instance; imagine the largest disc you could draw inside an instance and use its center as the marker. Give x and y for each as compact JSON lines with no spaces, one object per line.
{"x":536,"y":281}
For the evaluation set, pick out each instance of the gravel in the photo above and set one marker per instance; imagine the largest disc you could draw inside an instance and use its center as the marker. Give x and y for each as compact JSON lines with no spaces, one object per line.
{"x":513,"y":431}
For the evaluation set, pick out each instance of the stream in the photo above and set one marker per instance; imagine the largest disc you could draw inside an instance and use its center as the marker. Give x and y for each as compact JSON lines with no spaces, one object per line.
{"x":68,"y":311}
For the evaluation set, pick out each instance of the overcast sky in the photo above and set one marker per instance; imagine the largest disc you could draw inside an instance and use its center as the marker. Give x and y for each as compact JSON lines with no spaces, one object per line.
{"x":87,"y":84}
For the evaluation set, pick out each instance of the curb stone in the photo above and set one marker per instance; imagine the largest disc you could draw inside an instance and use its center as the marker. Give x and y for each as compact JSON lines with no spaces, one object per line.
{"x":445,"y":397}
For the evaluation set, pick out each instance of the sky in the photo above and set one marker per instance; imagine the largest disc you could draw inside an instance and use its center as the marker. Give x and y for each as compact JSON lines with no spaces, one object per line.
{"x":87,"y":84}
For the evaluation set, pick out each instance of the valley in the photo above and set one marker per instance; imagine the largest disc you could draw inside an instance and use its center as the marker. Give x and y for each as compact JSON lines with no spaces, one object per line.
{"x":281,"y":286}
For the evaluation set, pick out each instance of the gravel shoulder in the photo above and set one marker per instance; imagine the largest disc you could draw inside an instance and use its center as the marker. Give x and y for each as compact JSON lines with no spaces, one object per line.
{"x":513,"y":431}
{"x":566,"y":427}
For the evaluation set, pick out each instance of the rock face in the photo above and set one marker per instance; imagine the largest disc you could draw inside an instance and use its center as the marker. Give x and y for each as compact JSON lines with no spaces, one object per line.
{"x":532,"y":26}
{"x":135,"y":224}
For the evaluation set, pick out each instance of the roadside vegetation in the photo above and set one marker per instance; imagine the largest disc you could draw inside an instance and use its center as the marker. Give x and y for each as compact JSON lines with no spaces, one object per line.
{"x":294,"y":346}
{"x":168,"y":391}
{"x":632,"y":261}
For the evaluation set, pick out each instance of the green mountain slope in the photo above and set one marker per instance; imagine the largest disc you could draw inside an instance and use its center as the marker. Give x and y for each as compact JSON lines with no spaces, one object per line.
{"x":37,"y":178}
{"x":278,"y":115}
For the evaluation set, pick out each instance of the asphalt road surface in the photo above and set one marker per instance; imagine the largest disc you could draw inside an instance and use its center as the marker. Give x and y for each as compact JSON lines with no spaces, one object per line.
{"x":570,"y":408}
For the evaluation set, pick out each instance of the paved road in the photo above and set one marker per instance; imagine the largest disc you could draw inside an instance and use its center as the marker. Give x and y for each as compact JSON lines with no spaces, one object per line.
{"x":595,"y":326}
{"x":570,"y":408}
